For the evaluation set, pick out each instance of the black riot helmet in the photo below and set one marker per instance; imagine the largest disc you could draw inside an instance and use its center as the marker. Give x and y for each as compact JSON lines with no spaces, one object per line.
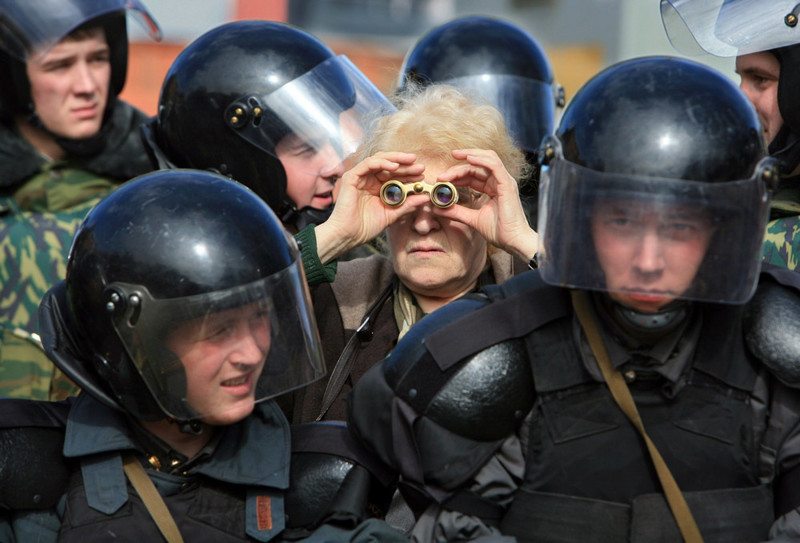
{"x":499,"y":61}
{"x":727,"y":28}
{"x":236,"y":91}
{"x":167,"y":254}
{"x":664,"y":137}
{"x":32,"y":28}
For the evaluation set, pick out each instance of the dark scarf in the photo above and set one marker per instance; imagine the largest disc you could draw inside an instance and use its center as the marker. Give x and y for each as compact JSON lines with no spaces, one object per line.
{"x":123,"y":155}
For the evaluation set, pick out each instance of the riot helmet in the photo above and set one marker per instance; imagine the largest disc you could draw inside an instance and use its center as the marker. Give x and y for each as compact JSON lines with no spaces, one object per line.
{"x":33,"y":28}
{"x":727,"y":28}
{"x":473,"y":53}
{"x":172,"y":259}
{"x":694,"y":178}
{"x":234,"y":93}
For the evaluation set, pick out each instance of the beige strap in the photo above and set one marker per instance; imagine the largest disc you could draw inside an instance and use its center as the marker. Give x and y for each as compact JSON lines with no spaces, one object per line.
{"x":152,"y":499}
{"x":622,"y":395}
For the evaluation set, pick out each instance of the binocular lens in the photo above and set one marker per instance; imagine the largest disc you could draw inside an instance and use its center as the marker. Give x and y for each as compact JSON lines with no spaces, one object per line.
{"x":393,"y":194}
{"x":443,"y":195}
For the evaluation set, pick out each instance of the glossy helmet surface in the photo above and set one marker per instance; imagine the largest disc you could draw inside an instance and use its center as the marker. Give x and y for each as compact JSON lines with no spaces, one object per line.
{"x":658,"y":131}
{"x":473,"y":52}
{"x":167,"y":248}
{"x":235,"y":92}
{"x":728,"y":28}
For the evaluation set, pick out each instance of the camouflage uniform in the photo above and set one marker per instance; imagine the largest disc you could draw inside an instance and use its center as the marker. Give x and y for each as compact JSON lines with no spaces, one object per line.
{"x":37,"y":224}
{"x":782,"y":241}
{"x":41,"y":204}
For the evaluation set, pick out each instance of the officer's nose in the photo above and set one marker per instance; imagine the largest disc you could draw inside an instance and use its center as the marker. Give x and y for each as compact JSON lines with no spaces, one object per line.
{"x":649,"y":256}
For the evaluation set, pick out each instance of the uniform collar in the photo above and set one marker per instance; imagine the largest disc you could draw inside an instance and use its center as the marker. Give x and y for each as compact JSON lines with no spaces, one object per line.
{"x":255,"y":451}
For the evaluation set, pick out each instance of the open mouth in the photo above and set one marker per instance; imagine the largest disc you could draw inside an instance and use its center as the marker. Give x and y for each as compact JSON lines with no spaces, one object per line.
{"x":236,"y":382}
{"x":241,"y":385}
{"x":324,"y":197}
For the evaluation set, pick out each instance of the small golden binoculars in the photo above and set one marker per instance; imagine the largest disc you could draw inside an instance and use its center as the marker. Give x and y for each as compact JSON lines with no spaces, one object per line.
{"x":393,"y":193}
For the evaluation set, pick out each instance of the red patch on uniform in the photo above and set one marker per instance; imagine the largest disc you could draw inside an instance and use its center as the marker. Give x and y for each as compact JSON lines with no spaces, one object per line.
{"x":264,"y":512}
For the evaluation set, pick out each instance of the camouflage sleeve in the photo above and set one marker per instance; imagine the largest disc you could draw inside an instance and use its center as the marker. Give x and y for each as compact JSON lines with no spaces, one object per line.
{"x":782,"y":242}
{"x":25,"y":370}
{"x":34,"y":244}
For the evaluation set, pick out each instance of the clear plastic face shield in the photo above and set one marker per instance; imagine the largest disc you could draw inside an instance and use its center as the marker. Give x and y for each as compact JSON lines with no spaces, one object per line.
{"x":728,"y":28}
{"x":34,"y":27}
{"x":648,"y":236}
{"x":215,"y":355}
{"x":528,"y":106}
{"x":329,"y":108}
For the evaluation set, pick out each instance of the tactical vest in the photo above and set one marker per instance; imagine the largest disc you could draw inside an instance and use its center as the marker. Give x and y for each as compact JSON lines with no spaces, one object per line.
{"x":588,"y":473}
{"x":203,"y":509}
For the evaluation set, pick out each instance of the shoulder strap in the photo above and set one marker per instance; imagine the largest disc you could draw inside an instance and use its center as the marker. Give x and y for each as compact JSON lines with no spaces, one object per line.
{"x":344,"y":363}
{"x":152,"y":499}
{"x":622,"y":395}
{"x":520,"y":306}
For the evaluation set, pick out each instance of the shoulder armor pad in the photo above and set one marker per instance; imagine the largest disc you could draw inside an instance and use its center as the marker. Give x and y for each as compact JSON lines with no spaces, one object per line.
{"x":772,"y":330}
{"x":333,"y":479}
{"x":33,"y":472}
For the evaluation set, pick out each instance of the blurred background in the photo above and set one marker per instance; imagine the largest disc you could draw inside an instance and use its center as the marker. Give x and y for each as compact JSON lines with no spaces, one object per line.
{"x":580,"y":37}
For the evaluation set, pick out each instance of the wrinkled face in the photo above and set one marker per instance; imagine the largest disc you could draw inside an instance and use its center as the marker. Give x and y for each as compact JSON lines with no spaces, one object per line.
{"x":311,"y":171}
{"x":70,"y":84}
{"x":649,"y":254}
{"x":223,"y":355}
{"x":434,"y":256}
{"x":760,"y":73}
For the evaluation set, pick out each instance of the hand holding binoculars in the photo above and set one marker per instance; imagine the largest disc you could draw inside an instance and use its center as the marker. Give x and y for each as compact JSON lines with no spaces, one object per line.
{"x":393,"y":193}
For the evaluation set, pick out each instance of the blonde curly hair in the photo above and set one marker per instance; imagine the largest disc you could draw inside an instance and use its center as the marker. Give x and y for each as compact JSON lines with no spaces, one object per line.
{"x":432,"y":121}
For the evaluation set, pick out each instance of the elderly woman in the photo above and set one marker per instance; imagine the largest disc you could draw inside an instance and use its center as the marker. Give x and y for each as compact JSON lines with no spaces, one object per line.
{"x":363,"y":306}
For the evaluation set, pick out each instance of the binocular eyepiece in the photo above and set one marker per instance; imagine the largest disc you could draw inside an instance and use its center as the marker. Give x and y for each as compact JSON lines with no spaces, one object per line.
{"x":393,"y":193}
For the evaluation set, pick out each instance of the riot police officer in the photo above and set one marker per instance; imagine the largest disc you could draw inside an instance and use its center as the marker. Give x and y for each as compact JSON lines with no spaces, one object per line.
{"x":270,"y":106}
{"x":184,"y":310}
{"x":764,"y":39}
{"x":66,"y":140}
{"x":630,"y":389}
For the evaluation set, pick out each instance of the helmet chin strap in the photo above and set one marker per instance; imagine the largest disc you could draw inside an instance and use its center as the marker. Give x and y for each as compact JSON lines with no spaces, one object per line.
{"x":646,"y":326}
{"x":193,"y":427}
{"x":300,"y":218}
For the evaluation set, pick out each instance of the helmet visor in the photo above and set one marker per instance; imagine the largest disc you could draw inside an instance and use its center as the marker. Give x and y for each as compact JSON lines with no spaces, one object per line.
{"x":332,"y":105}
{"x":651,"y":237}
{"x":728,"y":28}
{"x":33,"y":28}
{"x":213,"y":356}
{"x":528,"y":106}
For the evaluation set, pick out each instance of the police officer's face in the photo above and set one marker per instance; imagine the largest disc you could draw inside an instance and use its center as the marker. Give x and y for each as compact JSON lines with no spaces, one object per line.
{"x":434,"y":256}
{"x":70,"y":84}
{"x":223,"y":356}
{"x":311,"y":171}
{"x":649,"y":254}
{"x":760,"y":73}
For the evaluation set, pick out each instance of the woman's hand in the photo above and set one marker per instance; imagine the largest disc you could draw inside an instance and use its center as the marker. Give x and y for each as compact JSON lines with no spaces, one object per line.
{"x":498,"y":215}
{"x":359,"y":215}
